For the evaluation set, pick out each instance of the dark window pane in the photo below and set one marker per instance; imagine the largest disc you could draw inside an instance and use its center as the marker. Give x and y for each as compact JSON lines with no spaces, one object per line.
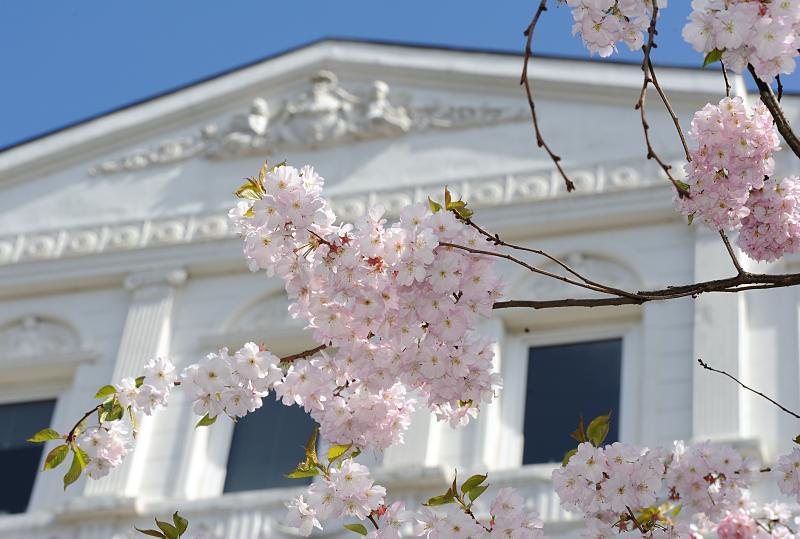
{"x":267,"y":444}
{"x":564,"y":382}
{"x":18,"y":422}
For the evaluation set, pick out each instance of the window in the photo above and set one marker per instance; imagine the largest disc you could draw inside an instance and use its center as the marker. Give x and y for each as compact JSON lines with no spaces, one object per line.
{"x":564,"y":382}
{"x":20,"y":458}
{"x":267,"y":444}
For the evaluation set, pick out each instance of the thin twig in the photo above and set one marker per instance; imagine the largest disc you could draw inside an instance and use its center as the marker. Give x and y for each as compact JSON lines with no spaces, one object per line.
{"x":302,"y":355}
{"x":372,"y":519}
{"x":780,"y":87}
{"x":731,"y":252}
{"x":525,"y":82}
{"x":662,"y":94}
{"x":640,"y":103}
{"x":760,"y":394}
{"x":725,"y":76}
{"x":774,"y":107}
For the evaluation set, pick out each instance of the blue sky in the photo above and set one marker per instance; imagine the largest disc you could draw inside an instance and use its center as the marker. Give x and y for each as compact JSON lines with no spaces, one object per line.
{"x":62,"y":62}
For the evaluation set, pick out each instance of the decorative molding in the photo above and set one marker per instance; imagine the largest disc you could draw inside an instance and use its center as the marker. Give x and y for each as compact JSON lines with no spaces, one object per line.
{"x":34,"y":337}
{"x":324,"y":114}
{"x":173,"y":277}
{"x":484,"y":192}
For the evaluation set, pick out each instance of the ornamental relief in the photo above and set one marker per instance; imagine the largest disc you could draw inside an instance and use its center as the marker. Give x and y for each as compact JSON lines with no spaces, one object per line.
{"x":485,"y":192}
{"x":32,"y":336}
{"x":322,"y":115}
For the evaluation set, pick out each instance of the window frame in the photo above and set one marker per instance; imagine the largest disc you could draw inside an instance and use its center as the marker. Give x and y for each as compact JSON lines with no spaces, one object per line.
{"x":514,"y":369}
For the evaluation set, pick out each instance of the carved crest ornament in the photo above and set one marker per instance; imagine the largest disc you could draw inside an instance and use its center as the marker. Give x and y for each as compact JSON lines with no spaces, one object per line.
{"x":322,"y":115}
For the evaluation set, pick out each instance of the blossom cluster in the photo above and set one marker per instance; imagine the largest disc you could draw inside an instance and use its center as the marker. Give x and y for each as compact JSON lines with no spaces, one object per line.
{"x":787,"y":472}
{"x":708,"y":478}
{"x":604,"y":23}
{"x":233,"y":385}
{"x":395,"y":304}
{"x":159,"y":378}
{"x":106,"y":445}
{"x":762,"y":33}
{"x":345,"y":491}
{"x":733,"y":155}
{"x":603,"y":482}
{"x":772,"y":228}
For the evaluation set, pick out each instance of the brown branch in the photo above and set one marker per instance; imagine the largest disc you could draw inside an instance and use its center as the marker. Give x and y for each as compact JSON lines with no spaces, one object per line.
{"x":731,"y":252}
{"x":72,"y":433}
{"x":738,"y":283}
{"x":525,"y":82}
{"x":302,"y":355}
{"x":760,"y":394}
{"x":780,"y":86}
{"x":640,"y":103}
{"x":774,"y":107}
{"x":670,"y":110}
{"x":725,"y":76}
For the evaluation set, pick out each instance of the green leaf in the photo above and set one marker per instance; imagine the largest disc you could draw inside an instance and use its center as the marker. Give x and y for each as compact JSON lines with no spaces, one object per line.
{"x":447,"y":197}
{"x":676,"y":510}
{"x":151,"y":533}
{"x":116,"y":413}
{"x":682,"y":185}
{"x":205,"y":421}
{"x":180,"y":523}
{"x":336,"y":451}
{"x":139,"y":381}
{"x":311,"y":447}
{"x":45,"y":435}
{"x":568,"y":456}
{"x":579,"y":434}
{"x":105,"y":391}
{"x":434,"y":206}
{"x":169,"y":530}
{"x":690,"y":219}
{"x":55,"y":457}
{"x":473,"y":482}
{"x":440,"y":500}
{"x":474,"y":492}
{"x":358,"y":528}
{"x":74,"y":471}
{"x":796,"y":439}
{"x":300,"y":473}
{"x":713,"y":56}
{"x":598,"y":429}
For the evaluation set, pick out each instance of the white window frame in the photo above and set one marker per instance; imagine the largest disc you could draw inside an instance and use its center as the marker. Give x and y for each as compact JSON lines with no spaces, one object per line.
{"x":514,"y":369}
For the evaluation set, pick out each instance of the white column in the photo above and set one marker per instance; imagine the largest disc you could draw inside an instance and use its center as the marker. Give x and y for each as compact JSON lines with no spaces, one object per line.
{"x":146,"y":334}
{"x":718,"y":340}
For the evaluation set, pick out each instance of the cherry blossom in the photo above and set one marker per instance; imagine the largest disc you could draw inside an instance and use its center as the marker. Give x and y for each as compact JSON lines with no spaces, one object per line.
{"x":604,"y":23}
{"x":772,"y":228}
{"x":106,"y":445}
{"x":758,"y":32}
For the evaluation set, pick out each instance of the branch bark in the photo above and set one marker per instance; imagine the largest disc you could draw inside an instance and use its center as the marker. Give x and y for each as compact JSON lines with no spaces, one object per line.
{"x":774,"y":107}
{"x":526,"y":83}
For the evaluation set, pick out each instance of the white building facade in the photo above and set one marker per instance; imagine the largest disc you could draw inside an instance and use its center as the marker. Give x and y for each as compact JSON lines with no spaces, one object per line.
{"x":115,"y":247}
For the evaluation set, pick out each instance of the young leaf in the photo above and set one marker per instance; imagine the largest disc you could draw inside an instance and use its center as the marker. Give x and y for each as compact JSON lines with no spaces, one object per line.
{"x":45,"y":435}
{"x":180,"y":523}
{"x":579,"y":434}
{"x":434,"y":206}
{"x":447,"y":198}
{"x":337,"y":451}
{"x":169,"y":530}
{"x":55,"y":457}
{"x":473,"y":482}
{"x":476,"y":491}
{"x":117,"y":411}
{"x":74,"y":471}
{"x":300,"y":473}
{"x":598,"y":429}
{"x":690,"y":219}
{"x":440,"y":500}
{"x":205,"y":421}
{"x":796,"y":439}
{"x":151,"y":533}
{"x":105,"y":391}
{"x":311,"y":447}
{"x":139,"y":381}
{"x":713,"y":56}
{"x":358,"y":528}
{"x":568,"y":456}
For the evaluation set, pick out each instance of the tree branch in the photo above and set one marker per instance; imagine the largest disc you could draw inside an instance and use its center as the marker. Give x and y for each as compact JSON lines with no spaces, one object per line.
{"x":706,"y":366}
{"x":731,"y":252}
{"x":774,"y":107}
{"x":647,"y":71}
{"x":525,"y":82}
{"x":304,"y":354}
